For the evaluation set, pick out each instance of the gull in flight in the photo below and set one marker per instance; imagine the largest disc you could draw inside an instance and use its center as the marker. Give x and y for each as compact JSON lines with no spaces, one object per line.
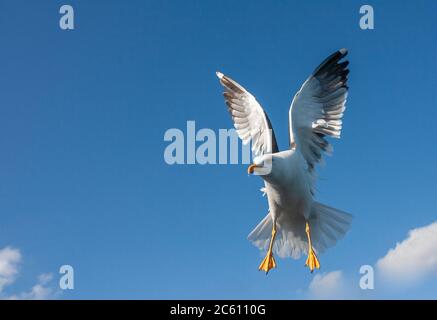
{"x":295,"y":222}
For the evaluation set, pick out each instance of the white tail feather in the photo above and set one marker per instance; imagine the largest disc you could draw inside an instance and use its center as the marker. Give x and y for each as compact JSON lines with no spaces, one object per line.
{"x":327,"y":224}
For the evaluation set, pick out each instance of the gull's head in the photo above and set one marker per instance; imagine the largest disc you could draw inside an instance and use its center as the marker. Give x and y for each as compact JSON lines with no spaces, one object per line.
{"x":261,"y":166}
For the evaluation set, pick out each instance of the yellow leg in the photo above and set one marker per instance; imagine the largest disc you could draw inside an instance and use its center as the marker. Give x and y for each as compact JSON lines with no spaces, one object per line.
{"x":312,"y":261}
{"x":269,"y":261}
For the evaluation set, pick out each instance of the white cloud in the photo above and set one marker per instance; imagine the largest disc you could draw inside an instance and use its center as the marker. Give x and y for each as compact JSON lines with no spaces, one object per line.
{"x":329,"y":285}
{"x":413,"y":259}
{"x":45,"y":278}
{"x":9,"y":261}
{"x":39,"y":291}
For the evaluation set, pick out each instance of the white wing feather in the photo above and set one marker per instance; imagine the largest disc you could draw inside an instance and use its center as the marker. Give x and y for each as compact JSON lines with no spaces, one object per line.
{"x":317,"y":109}
{"x":250,"y":120}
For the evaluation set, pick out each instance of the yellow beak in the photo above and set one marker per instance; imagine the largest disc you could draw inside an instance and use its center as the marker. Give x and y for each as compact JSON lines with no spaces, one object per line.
{"x":251,"y":168}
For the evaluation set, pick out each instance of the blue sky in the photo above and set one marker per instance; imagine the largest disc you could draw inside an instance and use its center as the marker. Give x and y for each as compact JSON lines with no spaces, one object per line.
{"x":82,"y":119}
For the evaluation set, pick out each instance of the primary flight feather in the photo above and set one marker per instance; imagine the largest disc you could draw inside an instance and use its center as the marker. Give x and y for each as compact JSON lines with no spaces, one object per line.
{"x":295,"y":223}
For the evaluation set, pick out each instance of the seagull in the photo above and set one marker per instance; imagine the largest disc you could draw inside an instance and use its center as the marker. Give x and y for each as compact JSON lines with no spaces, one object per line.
{"x":295,"y":223}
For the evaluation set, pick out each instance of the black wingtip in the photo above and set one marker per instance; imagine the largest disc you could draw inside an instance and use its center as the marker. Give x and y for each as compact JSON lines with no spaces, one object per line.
{"x":343,"y":51}
{"x":331,"y":60}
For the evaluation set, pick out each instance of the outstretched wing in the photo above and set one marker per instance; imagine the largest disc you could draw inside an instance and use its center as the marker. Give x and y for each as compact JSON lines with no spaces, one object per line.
{"x":317,"y":109}
{"x":250,"y":120}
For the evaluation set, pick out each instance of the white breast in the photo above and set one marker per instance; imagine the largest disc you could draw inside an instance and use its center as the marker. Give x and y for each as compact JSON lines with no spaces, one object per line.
{"x":289,"y":186}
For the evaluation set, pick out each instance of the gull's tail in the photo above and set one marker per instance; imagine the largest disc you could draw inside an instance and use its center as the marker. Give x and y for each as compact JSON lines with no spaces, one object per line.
{"x":327,"y":224}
